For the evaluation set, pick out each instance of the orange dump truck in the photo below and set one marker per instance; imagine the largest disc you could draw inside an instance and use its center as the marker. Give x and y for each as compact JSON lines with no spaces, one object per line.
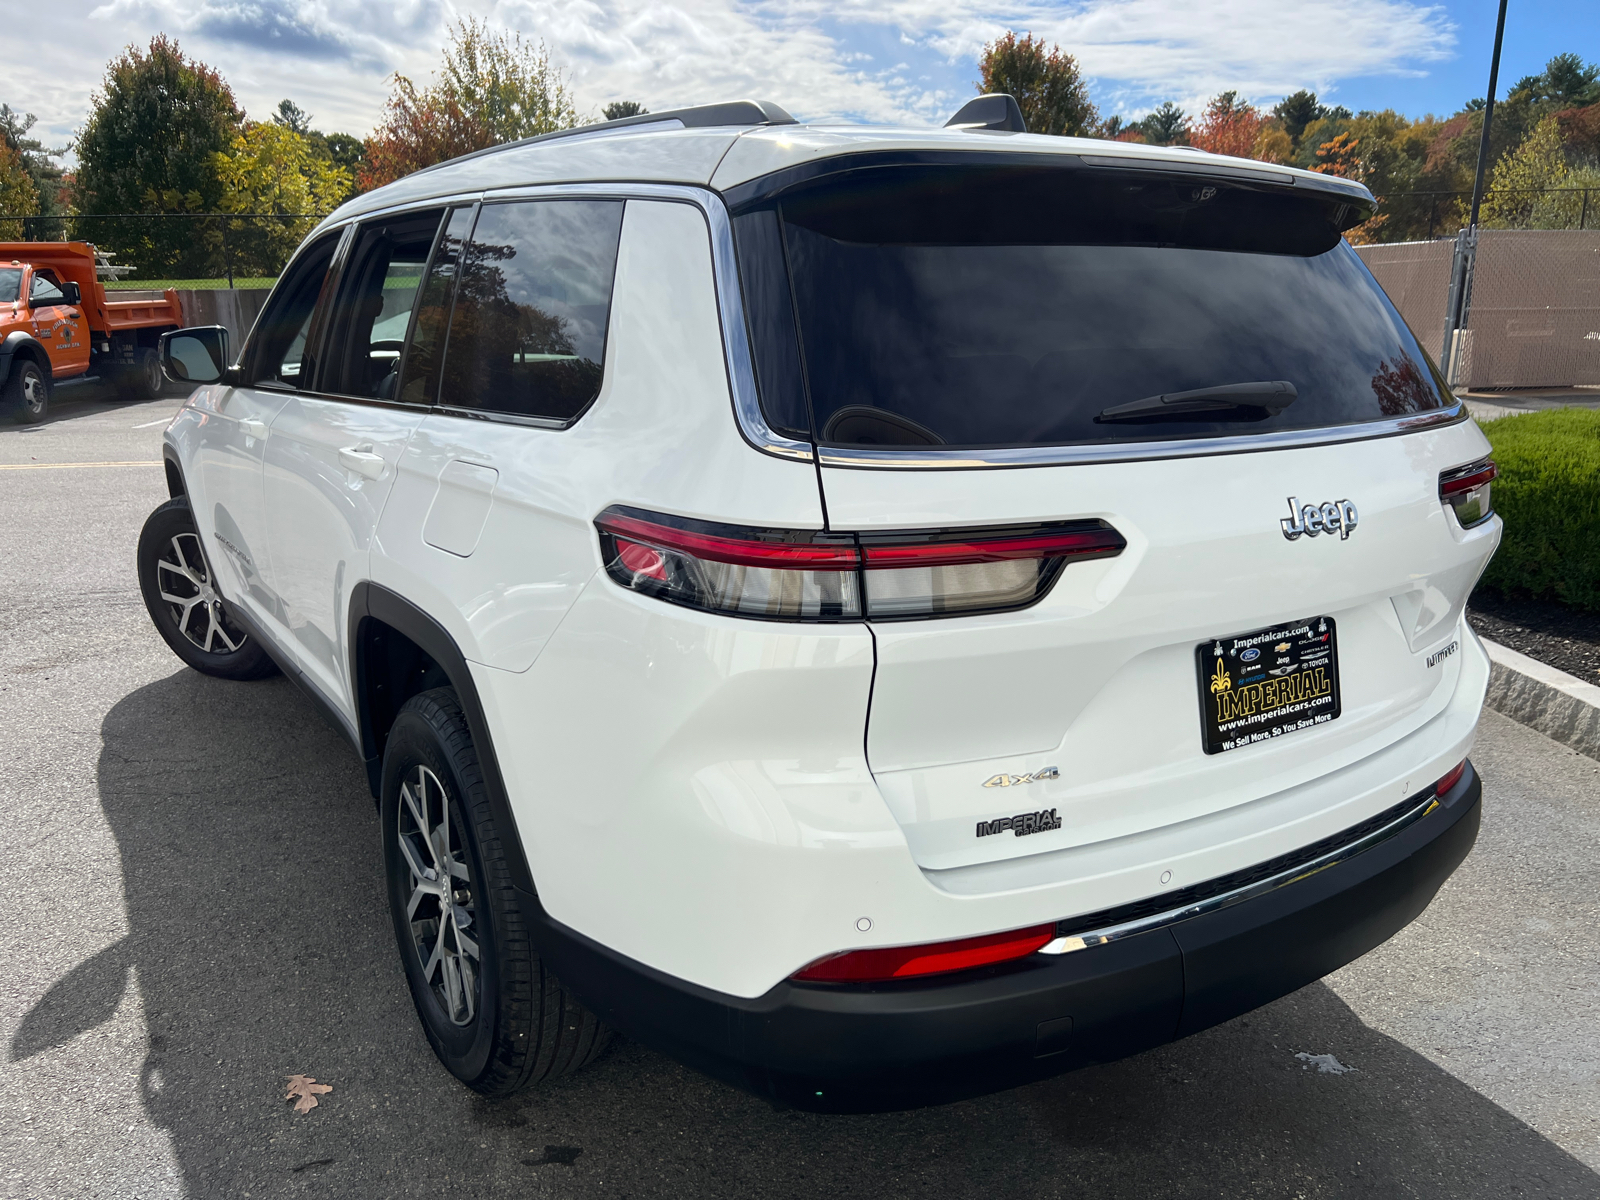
{"x":56,"y":322}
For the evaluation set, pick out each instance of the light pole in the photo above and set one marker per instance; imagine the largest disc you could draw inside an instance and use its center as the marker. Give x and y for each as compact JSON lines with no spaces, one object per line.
{"x":1460,"y":299}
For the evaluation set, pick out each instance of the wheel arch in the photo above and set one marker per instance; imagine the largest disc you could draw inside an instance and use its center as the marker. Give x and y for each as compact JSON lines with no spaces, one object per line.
{"x":398,"y":651}
{"x":21,"y":344}
{"x":175,"y":484}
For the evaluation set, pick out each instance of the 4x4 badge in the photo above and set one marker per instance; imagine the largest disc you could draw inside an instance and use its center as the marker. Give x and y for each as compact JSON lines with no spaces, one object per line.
{"x":1312,"y":519}
{"x":1015,"y":780}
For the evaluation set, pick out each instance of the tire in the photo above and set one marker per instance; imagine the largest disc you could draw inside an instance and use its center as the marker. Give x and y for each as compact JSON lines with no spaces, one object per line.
{"x":27,"y":392}
{"x":175,"y":578}
{"x":498,"y":1019}
{"x":142,"y":380}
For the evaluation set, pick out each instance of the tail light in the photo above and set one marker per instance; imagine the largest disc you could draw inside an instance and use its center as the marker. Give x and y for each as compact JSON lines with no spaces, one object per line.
{"x":786,"y":575}
{"x":935,"y":958}
{"x":1466,"y":490}
{"x":1450,"y":778}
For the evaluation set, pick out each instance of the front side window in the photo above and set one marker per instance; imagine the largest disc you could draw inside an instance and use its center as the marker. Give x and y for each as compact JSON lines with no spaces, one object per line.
{"x":44,"y":291}
{"x":377,"y":296}
{"x":278,"y":357}
{"x":1023,"y":306}
{"x":528,"y":332}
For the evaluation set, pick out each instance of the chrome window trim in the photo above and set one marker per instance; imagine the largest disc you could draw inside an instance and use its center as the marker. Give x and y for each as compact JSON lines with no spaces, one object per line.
{"x":730,"y":297}
{"x":1088,"y":939}
{"x":1053,"y":456}
{"x":740,"y":364}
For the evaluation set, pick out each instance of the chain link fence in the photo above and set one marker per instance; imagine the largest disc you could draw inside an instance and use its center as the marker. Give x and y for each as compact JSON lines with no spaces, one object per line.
{"x":1533,"y":315}
{"x":170,"y":247}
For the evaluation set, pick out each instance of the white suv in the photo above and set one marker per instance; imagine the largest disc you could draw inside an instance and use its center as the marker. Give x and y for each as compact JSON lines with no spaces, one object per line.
{"x":878,"y":614}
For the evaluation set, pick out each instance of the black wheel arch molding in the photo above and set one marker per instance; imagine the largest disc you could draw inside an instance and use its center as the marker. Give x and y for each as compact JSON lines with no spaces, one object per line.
{"x":375,"y":608}
{"x":20,"y":341}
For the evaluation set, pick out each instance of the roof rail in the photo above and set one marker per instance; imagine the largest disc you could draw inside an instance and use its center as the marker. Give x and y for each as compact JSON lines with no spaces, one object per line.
{"x":701,"y":116}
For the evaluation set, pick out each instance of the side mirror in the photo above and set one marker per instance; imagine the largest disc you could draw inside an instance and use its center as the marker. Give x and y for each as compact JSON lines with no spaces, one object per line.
{"x":70,"y":293}
{"x":198,"y":355}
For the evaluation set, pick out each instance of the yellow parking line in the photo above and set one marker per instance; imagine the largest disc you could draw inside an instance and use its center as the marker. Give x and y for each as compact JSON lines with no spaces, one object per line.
{"x":143,"y":462}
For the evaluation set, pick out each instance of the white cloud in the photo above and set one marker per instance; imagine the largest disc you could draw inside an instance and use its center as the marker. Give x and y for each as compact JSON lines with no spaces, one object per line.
{"x":820,"y":58}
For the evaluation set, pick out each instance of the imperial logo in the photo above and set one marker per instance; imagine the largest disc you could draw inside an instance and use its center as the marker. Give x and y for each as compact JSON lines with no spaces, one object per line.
{"x":1022,"y":824}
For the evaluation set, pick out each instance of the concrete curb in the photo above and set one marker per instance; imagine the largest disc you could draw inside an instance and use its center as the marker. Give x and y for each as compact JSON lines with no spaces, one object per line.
{"x":1558,"y":705}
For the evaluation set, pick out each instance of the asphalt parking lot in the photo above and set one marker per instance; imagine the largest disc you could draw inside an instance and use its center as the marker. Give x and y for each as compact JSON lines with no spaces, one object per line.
{"x":197,"y":913}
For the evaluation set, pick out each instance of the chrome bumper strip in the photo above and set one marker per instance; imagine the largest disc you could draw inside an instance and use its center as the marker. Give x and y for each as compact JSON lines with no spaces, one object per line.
{"x":1111,"y":933}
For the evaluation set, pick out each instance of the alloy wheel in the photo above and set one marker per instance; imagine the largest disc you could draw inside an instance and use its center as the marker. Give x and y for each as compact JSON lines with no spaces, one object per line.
{"x":184,"y":580}
{"x":440,"y":907}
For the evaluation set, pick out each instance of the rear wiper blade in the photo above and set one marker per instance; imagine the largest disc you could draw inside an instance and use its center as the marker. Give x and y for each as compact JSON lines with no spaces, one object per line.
{"x":1254,"y":400}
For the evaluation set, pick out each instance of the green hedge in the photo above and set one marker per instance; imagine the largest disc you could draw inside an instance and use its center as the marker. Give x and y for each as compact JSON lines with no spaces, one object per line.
{"x":1549,"y":495}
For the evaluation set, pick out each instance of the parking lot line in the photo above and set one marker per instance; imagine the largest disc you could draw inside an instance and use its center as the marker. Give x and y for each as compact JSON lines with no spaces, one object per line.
{"x":142,"y":462}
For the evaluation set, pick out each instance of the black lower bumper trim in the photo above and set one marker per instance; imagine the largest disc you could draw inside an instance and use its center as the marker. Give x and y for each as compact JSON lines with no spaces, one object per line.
{"x":903,"y":1045}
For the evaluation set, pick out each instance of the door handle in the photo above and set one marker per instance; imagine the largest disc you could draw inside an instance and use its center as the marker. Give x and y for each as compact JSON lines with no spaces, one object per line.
{"x":254,"y":427}
{"x":362,"y":461}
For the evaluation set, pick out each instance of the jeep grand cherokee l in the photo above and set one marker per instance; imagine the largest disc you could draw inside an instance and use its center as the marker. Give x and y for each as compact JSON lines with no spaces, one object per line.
{"x":878,"y":614}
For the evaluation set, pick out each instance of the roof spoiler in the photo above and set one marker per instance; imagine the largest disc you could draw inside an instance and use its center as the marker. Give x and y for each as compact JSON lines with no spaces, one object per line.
{"x":996,"y":111}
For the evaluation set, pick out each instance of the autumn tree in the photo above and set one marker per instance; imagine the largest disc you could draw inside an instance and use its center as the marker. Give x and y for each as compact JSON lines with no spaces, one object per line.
{"x":490,"y":88}
{"x":619,"y":109}
{"x":278,"y":177}
{"x":1229,"y":125}
{"x":1048,"y":86}
{"x":18,"y":197}
{"x":154,"y":131}
{"x":150,"y":145}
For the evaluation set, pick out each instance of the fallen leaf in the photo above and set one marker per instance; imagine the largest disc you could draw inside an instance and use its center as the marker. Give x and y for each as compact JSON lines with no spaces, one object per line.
{"x":307,"y":1089}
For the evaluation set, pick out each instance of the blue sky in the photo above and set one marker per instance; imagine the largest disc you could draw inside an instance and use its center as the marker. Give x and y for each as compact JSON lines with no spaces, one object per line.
{"x":911,"y":61}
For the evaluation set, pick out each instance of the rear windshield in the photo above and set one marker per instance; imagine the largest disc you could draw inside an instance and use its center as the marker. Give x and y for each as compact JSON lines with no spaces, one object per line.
{"x":1004,"y":306}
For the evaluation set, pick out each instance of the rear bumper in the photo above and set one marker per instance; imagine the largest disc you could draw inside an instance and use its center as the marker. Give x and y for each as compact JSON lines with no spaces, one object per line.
{"x":905,"y":1045}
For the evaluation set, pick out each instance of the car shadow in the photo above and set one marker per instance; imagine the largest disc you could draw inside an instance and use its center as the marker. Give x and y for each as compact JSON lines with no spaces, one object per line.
{"x":86,"y":396}
{"x":259,"y":946}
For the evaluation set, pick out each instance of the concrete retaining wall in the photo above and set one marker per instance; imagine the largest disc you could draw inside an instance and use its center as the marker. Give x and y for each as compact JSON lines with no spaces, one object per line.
{"x":1558,"y":705}
{"x":234,"y":310}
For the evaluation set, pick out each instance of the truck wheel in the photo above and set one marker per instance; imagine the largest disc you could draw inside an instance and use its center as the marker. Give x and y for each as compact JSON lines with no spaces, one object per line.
{"x":497,"y":1017}
{"x":27,"y":392}
{"x":142,"y":380}
{"x":176,"y":581}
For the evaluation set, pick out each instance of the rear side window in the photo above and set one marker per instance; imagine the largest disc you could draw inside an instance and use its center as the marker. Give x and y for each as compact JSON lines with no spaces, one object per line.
{"x":10,"y":284}
{"x":528,"y":332}
{"x":1006,"y":306}
{"x":425,"y":355}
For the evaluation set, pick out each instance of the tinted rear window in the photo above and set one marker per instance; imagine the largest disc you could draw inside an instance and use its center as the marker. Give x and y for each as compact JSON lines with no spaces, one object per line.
{"x":1014,"y":306}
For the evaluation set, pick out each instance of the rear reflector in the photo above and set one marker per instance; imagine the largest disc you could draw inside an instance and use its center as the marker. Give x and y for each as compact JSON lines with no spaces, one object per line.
{"x":935,"y":958}
{"x":811,"y":576}
{"x":1466,"y":491}
{"x":1451,"y":778}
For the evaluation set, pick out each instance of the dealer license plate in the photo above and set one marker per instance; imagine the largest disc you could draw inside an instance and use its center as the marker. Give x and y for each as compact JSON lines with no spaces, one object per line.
{"x":1265,"y":684}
